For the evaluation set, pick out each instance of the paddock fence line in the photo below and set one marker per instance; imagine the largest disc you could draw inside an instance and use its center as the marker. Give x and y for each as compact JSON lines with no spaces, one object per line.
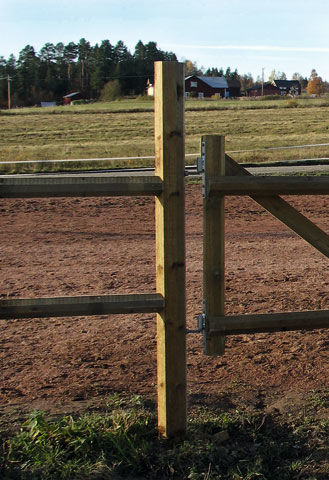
{"x":223,"y":176}
{"x":167,"y":186}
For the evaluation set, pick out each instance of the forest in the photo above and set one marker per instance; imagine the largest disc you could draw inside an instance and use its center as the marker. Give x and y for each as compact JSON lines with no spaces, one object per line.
{"x":102,"y":72}
{"x":58,"y":69}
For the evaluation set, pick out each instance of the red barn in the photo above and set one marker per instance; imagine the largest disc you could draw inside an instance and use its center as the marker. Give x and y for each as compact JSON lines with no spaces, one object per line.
{"x":268,"y":89}
{"x":67,"y":99}
{"x":206,"y":86}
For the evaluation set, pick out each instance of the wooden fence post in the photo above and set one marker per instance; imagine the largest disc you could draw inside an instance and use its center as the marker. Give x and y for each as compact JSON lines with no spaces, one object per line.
{"x":170,"y":247}
{"x":213,"y":241}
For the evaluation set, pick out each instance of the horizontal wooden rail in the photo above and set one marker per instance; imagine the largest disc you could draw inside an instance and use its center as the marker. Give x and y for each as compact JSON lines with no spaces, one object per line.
{"x":78,"y":185}
{"x":271,"y":322}
{"x":80,"y":306}
{"x":268,"y":186}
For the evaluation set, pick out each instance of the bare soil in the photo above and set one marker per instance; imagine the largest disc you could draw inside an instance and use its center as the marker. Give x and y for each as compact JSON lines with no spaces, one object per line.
{"x":53,"y":247}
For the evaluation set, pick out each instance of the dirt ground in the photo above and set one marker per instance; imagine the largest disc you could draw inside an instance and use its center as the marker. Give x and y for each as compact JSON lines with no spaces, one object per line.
{"x":52,"y":247}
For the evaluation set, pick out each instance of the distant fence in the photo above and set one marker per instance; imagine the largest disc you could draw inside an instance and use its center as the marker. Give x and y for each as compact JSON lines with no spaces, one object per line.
{"x":152,"y":157}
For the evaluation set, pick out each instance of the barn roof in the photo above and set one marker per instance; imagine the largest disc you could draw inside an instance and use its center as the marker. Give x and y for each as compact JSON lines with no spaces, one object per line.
{"x":69,"y":95}
{"x":286,"y":83}
{"x":213,"y":82}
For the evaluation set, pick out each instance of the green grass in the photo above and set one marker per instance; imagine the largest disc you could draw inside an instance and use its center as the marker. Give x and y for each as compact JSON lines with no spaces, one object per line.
{"x":121,"y":442}
{"x":125,"y":129}
{"x":144,"y":104}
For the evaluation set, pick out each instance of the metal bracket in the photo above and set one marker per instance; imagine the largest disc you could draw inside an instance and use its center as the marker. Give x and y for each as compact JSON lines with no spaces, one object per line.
{"x":201,"y":319}
{"x":204,"y":324}
{"x":201,"y":167}
{"x":200,"y":164}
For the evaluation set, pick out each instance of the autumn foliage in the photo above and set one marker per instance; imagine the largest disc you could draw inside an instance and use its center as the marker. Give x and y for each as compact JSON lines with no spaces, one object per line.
{"x":315,"y":84}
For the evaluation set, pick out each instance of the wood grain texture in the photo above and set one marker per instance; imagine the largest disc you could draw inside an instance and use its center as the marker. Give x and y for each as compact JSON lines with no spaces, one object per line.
{"x":213,"y":241}
{"x":80,"y":306}
{"x":271,"y":322}
{"x":170,"y":247}
{"x":78,"y":186}
{"x":269,"y":186}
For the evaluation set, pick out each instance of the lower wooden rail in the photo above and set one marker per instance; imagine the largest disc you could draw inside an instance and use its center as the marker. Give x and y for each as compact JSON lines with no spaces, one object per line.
{"x":78,"y":186}
{"x":271,"y":322}
{"x":80,"y":306}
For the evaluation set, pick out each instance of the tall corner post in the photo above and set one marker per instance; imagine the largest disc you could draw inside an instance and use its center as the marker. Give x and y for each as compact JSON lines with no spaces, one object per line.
{"x":170,"y":248}
{"x":213,"y":148}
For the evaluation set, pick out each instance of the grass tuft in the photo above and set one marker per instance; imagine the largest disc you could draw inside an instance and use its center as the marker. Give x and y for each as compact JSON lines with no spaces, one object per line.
{"x":238,"y":444}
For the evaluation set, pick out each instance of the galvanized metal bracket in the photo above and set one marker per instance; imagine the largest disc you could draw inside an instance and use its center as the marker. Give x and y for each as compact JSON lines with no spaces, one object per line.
{"x":201,"y":167}
{"x":201,"y":322}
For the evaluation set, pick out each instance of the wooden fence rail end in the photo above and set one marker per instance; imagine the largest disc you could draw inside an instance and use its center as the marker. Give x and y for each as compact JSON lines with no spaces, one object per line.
{"x":80,"y":306}
{"x":271,"y":322}
{"x":280,"y":185}
{"x":76,"y":185}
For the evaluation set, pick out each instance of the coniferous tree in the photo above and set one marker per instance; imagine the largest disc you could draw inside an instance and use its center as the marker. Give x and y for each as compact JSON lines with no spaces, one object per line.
{"x":70,"y":54}
{"x":28,"y":83}
{"x":84,"y":53}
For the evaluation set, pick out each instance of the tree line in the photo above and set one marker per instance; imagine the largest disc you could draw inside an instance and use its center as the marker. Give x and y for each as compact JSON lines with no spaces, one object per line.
{"x":58,"y":69}
{"x":103,"y":70}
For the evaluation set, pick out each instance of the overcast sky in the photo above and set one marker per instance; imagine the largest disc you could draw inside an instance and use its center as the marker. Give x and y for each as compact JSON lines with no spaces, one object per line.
{"x":286,"y":36}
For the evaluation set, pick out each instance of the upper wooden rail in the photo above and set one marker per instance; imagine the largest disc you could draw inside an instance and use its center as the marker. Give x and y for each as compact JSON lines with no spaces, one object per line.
{"x":80,"y":306}
{"x":78,"y":185}
{"x":268,"y":186}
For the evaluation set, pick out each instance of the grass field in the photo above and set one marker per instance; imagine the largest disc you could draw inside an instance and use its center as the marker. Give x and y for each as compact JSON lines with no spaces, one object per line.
{"x":125,"y":128}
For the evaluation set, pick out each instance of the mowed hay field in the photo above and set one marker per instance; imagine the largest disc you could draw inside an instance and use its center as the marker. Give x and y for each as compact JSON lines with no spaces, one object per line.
{"x":98,"y":131}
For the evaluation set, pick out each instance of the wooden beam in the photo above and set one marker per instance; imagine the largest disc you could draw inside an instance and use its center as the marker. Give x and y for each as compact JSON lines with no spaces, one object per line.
{"x":213,"y":147}
{"x":170,"y":247}
{"x":268,"y":186}
{"x":272,"y":322}
{"x":287,"y":214}
{"x":78,"y":186}
{"x":80,"y":306}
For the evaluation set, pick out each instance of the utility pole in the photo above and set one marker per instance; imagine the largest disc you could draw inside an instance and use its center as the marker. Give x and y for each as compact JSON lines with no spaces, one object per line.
{"x":8,"y":89}
{"x":8,"y":85}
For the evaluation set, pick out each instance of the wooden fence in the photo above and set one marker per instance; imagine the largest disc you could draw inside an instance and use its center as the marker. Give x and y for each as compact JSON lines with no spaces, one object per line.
{"x":223,"y":176}
{"x":167,"y":185}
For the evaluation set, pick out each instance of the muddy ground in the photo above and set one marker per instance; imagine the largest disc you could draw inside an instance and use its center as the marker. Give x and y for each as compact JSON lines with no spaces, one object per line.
{"x":53,"y":247}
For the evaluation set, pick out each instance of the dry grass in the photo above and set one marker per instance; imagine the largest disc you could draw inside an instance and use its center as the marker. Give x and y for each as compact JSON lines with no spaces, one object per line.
{"x":33,"y":134}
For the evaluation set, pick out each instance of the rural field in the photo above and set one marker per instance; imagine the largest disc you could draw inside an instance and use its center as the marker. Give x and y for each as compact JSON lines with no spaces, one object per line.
{"x":125,"y":129}
{"x":260,"y":411}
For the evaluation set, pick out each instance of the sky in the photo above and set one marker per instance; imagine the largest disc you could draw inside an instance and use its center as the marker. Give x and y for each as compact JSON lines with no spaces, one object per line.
{"x":250,"y":36}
